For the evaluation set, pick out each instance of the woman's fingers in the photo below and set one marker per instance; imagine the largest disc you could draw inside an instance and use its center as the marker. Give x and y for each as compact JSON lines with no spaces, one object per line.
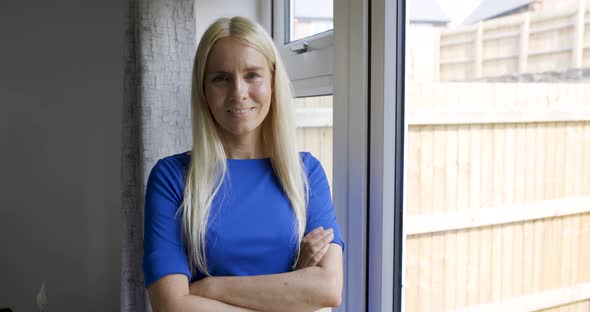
{"x":319,"y":249}
{"x":314,"y":246}
{"x":318,"y":256}
{"x":317,"y":231}
{"x":318,"y":238}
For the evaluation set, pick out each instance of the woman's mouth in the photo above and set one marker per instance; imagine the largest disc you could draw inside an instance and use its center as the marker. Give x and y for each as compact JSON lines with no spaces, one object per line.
{"x":240,"y":111}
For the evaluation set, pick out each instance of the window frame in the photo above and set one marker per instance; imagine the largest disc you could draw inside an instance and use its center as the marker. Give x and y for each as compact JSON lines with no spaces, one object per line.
{"x":386,"y":149}
{"x":368,"y":148}
{"x":311,"y":72}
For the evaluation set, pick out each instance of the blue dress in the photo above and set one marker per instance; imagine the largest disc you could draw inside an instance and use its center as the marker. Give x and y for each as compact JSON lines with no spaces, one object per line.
{"x":251,"y":227}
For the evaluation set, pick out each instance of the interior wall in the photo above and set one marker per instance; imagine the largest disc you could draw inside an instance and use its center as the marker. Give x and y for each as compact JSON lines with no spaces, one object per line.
{"x":207,"y":12}
{"x":61,"y":81}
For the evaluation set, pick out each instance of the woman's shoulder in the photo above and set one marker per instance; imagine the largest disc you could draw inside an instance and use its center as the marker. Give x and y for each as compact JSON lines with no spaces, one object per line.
{"x":307,"y":158}
{"x":177,"y":160}
{"x":310,"y":162}
{"x":173,"y":166}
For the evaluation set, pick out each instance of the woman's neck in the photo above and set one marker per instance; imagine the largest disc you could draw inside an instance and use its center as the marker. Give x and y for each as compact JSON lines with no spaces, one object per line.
{"x":244,"y":147}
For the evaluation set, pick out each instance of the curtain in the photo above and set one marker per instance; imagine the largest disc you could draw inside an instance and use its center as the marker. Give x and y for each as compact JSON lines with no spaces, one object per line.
{"x":160,"y":45}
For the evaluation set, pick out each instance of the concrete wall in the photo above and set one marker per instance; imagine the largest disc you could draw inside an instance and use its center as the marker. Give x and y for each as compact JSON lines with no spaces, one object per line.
{"x":61,"y":85}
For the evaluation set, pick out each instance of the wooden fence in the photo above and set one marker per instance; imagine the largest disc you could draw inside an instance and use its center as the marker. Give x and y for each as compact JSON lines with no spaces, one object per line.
{"x":497,"y":214}
{"x":524,"y":43}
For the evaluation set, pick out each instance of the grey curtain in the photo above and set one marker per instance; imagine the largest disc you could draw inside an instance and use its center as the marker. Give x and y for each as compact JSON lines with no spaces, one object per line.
{"x":160,"y":44}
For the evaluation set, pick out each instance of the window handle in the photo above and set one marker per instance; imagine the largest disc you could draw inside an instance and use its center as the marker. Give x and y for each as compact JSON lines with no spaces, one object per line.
{"x":299,"y":48}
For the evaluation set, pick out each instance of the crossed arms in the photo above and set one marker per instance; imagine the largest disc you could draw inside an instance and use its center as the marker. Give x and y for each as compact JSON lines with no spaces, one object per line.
{"x":306,"y":289}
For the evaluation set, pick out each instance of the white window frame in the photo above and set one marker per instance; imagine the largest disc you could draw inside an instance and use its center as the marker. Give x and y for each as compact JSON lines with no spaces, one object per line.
{"x":350,"y":143}
{"x":367,"y":83}
{"x":311,"y":72}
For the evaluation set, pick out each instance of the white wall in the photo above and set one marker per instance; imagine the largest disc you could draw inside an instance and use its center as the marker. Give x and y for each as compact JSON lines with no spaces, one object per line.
{"x":61,"y":92}
{"x":207,"y":11}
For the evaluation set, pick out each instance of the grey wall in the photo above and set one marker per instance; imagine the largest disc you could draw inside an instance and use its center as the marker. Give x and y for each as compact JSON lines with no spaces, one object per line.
{"x":61,"y":91}
{"x":207,"y":12}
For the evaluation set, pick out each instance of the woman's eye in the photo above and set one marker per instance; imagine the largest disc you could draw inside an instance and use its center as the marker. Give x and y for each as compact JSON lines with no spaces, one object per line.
{"x":219,"y":78}
{"x":252,"y":76}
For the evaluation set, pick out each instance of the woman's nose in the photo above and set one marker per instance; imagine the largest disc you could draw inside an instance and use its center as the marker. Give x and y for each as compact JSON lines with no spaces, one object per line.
{"x":239,"y":91}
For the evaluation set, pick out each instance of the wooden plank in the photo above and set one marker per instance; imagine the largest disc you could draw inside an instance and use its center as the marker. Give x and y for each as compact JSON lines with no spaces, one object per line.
{"x":313,"y":117}
{"x":518,"y":212}
{"x":412,"y":171}
{"x":413,"y":207}
{"x":437,"y":251}
{"x":425,"y":245}
{"x":463,"y":187}
{"x":508,"y":158}
{"x":494,"y":58}
{"x":326,"y":152}
{"x":550,"y":51}
{"x":451,"y":204}
{"x":497,"y":199}
{"x":478,"y":47}
{"x":529,"y":196}
{"x":411,"y":279}
{"x":519,"y":174}
{"x":549,"y":193}
{"x":541,"y":300}
{"x":461,"y":41}
{"x":578,"y":46}
{"x":485,"y":178}
{"x":536,"y":30}
{"x":477,"y":269}
{"x":540,"y":153}
{"x":524,"y":43}
{"x":504,"y":35}
{"x":456,"y":61}
{"x":456,"y":115}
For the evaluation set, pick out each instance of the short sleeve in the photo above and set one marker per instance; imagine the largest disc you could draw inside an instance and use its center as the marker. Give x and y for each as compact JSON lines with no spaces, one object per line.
{"x":320,"y":207}
{"x":163,"y":248}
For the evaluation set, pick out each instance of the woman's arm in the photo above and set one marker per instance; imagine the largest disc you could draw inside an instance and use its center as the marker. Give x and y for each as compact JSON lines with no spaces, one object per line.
{"x":308,"y":289}
{"x":171,"y":293}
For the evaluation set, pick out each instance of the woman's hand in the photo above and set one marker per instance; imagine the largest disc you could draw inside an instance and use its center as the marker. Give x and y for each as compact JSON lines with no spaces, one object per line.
{"x":313,"y":247}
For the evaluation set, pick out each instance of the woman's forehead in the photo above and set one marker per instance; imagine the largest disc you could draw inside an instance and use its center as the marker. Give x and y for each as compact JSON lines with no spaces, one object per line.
{"x":229,"y":54}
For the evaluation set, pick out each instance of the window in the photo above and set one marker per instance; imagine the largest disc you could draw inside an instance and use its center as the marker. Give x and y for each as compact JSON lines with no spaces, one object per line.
{"x":497,"y":211}
{"x":301,"y":30}
{"x":309,"y":17}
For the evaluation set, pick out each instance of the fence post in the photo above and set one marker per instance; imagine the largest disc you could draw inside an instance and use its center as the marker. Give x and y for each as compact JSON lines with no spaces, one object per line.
{"x":524,"y":42}
{"x":478,"y":50}
{"x":578,"y":46}
{"x":437,"y":55}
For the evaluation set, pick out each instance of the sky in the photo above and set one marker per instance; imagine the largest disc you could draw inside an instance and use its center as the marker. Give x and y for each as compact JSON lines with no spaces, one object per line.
{"x":457,"y":10}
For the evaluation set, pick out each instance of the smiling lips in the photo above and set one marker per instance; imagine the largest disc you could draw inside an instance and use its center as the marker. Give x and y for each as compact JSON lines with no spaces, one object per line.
{"x":240,"y":111}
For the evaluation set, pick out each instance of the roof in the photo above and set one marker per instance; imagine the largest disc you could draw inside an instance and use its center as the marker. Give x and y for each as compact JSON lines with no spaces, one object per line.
{"x":425,"y":11}
{"x":492,"y":8}
{"x":419,"y":11}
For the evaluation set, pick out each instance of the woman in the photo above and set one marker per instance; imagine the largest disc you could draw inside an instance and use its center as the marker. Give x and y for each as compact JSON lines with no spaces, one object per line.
{"x":242,"y":222}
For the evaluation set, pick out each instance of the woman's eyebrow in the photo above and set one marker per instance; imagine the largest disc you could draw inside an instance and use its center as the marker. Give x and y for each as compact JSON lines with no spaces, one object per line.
{"x":253,"y":68}
{"x":217,"y":72}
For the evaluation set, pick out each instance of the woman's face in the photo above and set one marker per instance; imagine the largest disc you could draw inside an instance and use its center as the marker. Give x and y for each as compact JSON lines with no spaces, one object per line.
{"x":238,"y":87}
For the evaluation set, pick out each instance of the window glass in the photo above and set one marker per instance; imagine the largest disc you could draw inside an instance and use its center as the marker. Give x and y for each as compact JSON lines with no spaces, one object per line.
{"x":309,"y":17}
{"x":314,"y":129}
{"x":498,"y":155}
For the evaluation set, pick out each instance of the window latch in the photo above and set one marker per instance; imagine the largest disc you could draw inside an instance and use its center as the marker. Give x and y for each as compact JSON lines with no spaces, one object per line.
{"x":299,"y":48}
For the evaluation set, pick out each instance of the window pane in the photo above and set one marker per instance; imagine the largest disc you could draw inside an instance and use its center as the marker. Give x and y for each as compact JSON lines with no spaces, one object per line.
{"x":314,"y":129}
{"x":309,"y":17}
{"x":497,"y":155}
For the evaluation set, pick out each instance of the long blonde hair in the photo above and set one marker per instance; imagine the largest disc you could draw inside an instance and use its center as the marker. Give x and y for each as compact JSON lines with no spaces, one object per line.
{"x":208,"y":167}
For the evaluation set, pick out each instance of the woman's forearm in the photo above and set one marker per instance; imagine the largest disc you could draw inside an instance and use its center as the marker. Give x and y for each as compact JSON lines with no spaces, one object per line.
{"x":201,"y":304}
{"x":308,"y":289}
{"x":171,"y":293}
